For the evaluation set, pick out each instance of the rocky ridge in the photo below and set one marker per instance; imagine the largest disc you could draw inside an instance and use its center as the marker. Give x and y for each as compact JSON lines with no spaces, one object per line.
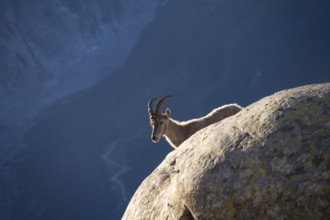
{"x":269,"y":161}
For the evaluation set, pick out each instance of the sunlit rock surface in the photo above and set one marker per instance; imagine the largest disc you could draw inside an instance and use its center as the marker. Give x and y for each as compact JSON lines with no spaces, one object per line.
{"x":269,"y":161}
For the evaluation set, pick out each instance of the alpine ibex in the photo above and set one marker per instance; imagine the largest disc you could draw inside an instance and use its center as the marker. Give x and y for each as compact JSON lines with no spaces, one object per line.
{"x":177,"y":132}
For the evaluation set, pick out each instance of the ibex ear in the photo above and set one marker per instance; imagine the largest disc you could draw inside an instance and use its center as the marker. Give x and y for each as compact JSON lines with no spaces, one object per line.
{"x":168,"y":112}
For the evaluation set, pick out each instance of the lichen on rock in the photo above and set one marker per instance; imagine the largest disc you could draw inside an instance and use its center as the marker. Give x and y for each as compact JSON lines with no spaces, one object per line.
{"x":269,"y":161}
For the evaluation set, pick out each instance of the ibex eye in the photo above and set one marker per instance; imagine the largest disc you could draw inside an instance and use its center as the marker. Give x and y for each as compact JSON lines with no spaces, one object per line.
{"x":161,"y":122}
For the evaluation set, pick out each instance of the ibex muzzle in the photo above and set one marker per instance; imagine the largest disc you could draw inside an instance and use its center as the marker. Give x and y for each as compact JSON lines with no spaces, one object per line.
{"x":158,"y":120}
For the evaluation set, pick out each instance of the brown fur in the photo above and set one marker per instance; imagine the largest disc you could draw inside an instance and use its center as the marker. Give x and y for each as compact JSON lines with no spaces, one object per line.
{"x":177,"y":132}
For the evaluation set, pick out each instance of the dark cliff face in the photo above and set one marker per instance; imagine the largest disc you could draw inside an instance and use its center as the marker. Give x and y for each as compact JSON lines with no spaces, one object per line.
{"x":252,"y":45}
{"x":269,"y":161}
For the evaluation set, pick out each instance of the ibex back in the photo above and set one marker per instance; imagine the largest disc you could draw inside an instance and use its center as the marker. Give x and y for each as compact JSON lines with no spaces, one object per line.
{"x":177,"y":132}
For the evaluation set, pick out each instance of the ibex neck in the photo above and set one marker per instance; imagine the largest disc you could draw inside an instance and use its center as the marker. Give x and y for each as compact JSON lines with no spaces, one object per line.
{"x":175,"y":133}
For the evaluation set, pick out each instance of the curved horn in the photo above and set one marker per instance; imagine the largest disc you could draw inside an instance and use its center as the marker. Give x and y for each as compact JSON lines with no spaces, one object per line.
{"x":150,"y":110}
{"x":160,"y":105}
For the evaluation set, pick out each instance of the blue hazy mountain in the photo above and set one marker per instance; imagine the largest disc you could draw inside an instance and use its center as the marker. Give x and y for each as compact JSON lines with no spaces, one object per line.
{"x":89,"y":148}
{"x":55,"y":48}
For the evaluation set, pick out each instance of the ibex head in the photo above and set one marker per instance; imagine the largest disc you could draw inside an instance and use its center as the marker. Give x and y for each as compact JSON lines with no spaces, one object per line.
{"x":158,"y":120}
